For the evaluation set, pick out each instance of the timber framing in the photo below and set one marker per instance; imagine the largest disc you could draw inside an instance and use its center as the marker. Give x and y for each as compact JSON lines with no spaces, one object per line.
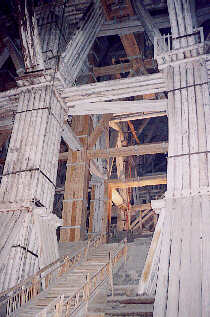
{"x":142,"y":149}
{"x":108,"y":128}
{"x":138,"y":182}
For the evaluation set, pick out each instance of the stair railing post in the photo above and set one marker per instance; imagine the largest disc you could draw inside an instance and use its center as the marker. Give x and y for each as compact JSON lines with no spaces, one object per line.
{"x":111,"y":273}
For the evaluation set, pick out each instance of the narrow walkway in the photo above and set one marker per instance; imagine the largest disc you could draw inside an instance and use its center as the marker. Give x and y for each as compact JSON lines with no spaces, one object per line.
{"x":74,"y":288}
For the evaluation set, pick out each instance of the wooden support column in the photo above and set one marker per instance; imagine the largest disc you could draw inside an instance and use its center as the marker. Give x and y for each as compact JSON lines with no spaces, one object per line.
{"x":29,"y":178}
{"x":76,"y":185}
{"x":185,"y":255}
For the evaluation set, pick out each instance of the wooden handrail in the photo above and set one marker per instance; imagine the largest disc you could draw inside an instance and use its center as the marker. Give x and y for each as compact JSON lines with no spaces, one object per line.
{"x":33,"y":285}
{"x":83,"y":294}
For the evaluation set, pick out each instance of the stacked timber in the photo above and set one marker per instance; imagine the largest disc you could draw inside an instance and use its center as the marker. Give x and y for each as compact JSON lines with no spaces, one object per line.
{"x":79,"y":46}
{"x":183,"y":283}
{"x":114,"y":89}
{"x":29,"y":178}
{"x":31,"y":165}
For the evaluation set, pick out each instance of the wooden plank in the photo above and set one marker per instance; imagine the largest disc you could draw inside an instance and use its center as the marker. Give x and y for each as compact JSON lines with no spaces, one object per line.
{"x":133,"y":131}
{"x":98,"y":130}
{"x":121,"y":68}
{"x":150,"y":107}
{"x":70,"y":138}
{"x":134,"y":24}
{"x":142,"y":149}
{"x":113,"y":89}
{"x":76,"y":185}
{"x":138,"y":182}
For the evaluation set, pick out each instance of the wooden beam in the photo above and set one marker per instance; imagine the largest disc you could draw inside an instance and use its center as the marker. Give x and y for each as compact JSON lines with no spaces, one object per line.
{"x":98,"y":130}
{"x":146,"y":20}
{"x":136,"y":116}
{"x":121,"y":68}
{"x":133,"y":131}
{"x":76,"y":185}
{"x":15,"y":55}
{"x":70,"y":138}
{"x":4,"y":55}
{"x":142,"y":149}
{"x":155,"y":179}
{"x":132,"y":49}
{"x":120,"y":107}
{"x":140,"y":207}
{"x":134,"y":24}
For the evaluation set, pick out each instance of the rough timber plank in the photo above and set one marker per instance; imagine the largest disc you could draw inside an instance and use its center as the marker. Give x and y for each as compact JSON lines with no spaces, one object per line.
{"x":114,"y":89}
{"x":150,"y":107}
{"x":75,"y":195}
{"x":143,"y":149}
{"x":138,"y":182}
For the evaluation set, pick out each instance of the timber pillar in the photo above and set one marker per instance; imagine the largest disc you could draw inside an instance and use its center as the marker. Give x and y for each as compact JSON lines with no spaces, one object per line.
{"x":183,"y":284}
{"x":76,"y":185}
{"x":29,"y":181}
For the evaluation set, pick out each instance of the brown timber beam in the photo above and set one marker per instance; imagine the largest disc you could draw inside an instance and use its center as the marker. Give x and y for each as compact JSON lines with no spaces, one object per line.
{"x":155,"y":179}
{"x":120,"y":68}
{"x":142,"y":149}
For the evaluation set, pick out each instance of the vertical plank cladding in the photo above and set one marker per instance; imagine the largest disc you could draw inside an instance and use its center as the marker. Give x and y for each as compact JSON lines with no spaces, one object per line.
{"x":29,"y":177}
{"x":183,"y":283}
{"x":31,"y":164}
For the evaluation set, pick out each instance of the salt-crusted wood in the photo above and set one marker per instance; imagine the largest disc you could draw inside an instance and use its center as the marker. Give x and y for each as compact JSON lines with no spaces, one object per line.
{"x":46,"y":223}
{"x":148,"y":281}
{"x":98,"y":212}
{"x":114,"y":89}
{"x":147,"y":21}
{"x":31,"y":163}
{"x":79,"y":46}
{"x":31,"y":47}
{"x":101,"y":107}
{"x":70,"y":138}
{"x":183,"y":279}
{"x":28,"y":178}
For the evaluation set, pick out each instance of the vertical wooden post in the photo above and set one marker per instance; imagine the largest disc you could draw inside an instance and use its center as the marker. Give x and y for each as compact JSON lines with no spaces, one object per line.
{"x":76,"y":185}
{"x":92,"y":202}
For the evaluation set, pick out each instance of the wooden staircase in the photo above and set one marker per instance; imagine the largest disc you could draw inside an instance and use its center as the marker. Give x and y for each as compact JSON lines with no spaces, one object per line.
{"x":71,"y":289}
